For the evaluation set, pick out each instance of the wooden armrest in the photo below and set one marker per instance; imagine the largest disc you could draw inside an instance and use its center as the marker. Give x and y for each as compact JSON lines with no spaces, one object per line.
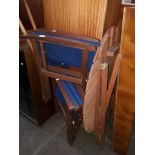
{"x":66,"y":96}
{"x":80,"y":90}
{"x":66,"y":34}
{"x":60,"y":40}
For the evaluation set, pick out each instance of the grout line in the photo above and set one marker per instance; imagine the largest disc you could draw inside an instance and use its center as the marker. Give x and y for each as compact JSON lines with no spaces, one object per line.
{"x":47,"y":141}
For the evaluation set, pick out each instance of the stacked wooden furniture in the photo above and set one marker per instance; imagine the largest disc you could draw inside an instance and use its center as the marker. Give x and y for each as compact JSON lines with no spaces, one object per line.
{"x":100,"y":85}
{"x":36,"y":97}
{"x":125,"y":101}
{"x":68,"y":59}
{"x":85,"y":17}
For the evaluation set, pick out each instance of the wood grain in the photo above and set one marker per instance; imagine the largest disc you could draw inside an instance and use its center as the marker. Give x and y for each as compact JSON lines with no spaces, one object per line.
{"x":43,"y":110}
{"x":86,"y":17}
{"x":125,"y":101}
{"x":30,"y":14}
{"x":36,"y":8}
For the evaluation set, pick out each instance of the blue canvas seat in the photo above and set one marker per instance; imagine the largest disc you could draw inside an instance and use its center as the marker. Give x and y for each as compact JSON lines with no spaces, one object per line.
{"x":72,"y":91}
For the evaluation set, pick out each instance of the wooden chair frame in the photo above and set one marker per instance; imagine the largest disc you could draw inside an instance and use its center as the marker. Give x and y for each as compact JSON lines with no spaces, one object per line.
{"x":107,"y":54}
{"x":74,"y":115}
{"x":77,"y":77}
{"x":109,"y":47}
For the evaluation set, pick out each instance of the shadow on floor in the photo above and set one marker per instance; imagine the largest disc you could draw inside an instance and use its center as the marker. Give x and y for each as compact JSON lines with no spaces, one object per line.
{"x":51,"y":139}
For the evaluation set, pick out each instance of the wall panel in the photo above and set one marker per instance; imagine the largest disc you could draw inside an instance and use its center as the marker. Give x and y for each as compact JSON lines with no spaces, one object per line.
{"x":86,"y":17}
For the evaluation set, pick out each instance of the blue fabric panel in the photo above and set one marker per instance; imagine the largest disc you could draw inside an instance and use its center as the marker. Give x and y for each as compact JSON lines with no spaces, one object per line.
{"x":90,"y":60}
{"x":63,"y":55}
{"x":59,"y":95}
{"x":97,"y":43}
{"x":75,"y":93}
{"x":74,"y":101}
{"x":60,"y":55}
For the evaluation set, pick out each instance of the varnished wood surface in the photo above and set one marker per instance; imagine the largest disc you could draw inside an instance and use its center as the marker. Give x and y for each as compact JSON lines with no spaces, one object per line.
{"x":125,"y":101}
{"x":53,"y":73}
{"x":98,"y":91}
{"x":43,"y":109}
{"x":87,"y":17}
{"x":36,"y":8}
{"x":30,"y":14}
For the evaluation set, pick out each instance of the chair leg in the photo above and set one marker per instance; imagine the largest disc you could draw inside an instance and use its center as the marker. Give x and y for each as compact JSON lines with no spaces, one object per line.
{"x":70,"y":132}
{"x":73,"y":124}
{"x":70,"y":126}
{"x":77,"y":125}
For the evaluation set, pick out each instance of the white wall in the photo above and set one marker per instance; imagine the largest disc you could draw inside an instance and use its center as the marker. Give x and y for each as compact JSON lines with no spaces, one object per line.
{"x":126,"y":1}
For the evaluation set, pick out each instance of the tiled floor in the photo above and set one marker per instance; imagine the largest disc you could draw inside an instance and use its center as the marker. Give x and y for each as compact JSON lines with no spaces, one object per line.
{"x":50,"y":139}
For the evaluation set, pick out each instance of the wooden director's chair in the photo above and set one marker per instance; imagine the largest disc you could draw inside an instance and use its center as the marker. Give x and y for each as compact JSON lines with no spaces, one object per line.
{"x":102,"y":77}
{"x":67,"y":59}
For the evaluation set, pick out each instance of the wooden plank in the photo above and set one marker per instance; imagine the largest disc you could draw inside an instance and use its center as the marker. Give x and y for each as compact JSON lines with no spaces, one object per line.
{"x":66,"y":96}
{"x":64,"y":71}
{"x":22,"y":28}
{"x":44,"y":65}
{"x":36,"y":7}
{"x":61,"y":41}
{"x":87,"y":17}
{"x":102,"y":107}
{"x":43,"y":109}
{"x":61,"y":76}
{"x":125,"y":100}
{"x":66,"y":34}
{"x":113,"y":76}
{"x":30,"y":14}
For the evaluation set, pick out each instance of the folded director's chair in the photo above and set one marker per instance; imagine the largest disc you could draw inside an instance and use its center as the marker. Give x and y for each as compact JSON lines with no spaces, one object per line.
{"x":68,"y":59}
{"x":92,"y":105}
{"x":101,"y":81}
{"x":63,"y":56}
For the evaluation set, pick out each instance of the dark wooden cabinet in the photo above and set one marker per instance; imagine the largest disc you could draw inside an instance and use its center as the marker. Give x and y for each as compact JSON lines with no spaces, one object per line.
{"x":125,"y":98}
{"x":31,"y":103}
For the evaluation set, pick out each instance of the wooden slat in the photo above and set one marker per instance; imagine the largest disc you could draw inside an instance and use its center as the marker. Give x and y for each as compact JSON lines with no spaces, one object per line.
{"x":30,"y":14}
{"x":64,"y":71}
{"x":125,"y":101}
{"x":113,"y":76}
{"x":87,"y":17}
{"x":61,"y":76}
{"x":80,"y":90}
{"x":44,"y":87}
{"x":59,"y":40}
{"x":44,"y":64}
{"x":25,"y":33}
{"x":36,"y":7}
{"x":66,"y":96}
{"x":66,"y":34}
{"x":109,"y":44}
{"x":92,"y":97}
{"x":101,"y":115}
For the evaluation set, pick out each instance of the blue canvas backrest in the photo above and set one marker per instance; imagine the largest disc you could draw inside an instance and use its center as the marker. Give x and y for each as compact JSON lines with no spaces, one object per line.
{"x":66,"y":56}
